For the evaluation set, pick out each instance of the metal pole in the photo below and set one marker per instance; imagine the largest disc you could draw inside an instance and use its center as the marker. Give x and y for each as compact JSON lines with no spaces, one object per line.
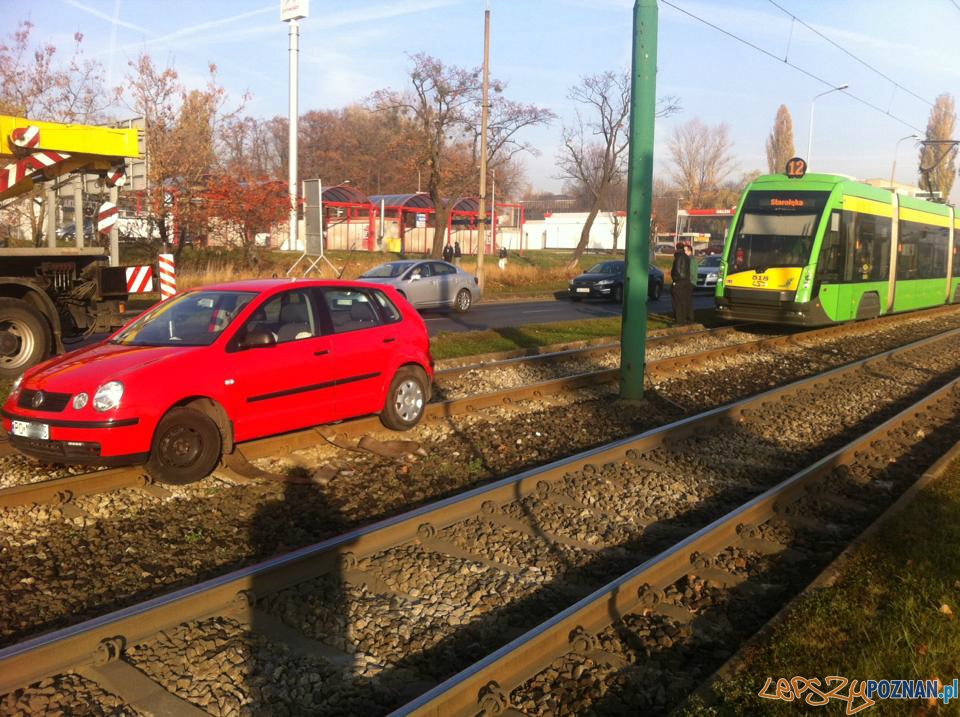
{"x":643,"y":104}
{"x":482,"y":213}
{"x":50,"y":202}
{"x":294,"y":114}
{"x":78,"y":221}
{"x":896,"y":149}
{"x":810,"y":129}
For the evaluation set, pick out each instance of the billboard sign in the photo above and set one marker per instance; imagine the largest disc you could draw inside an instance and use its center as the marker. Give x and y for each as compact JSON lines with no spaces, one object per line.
{"x":294,"y":9}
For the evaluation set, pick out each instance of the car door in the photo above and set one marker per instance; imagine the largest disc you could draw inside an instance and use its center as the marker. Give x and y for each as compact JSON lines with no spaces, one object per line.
{"x":420,"y":291}
{"x":364,"y":337}
{"x":446,"y":278}
{"x":283,"y":385}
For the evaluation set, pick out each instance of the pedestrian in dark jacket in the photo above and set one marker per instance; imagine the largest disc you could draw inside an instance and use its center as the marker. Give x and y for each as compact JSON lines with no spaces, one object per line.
{"x":682,"y":287}
{"x":448,"y":252}
{"x":456,"y":253}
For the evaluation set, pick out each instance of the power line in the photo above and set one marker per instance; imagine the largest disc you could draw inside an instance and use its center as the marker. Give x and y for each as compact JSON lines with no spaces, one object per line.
{"x":850,"y":54}
{"x":955,"y":4}
{"x":809,"y":74}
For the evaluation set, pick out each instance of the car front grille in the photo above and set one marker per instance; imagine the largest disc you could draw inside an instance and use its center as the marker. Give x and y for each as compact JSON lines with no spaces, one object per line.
{"x":48,"y":400}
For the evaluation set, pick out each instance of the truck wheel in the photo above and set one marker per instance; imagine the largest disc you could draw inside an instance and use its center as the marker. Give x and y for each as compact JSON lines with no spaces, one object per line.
{"x":24,"y":337}
{"x":186,"y":447}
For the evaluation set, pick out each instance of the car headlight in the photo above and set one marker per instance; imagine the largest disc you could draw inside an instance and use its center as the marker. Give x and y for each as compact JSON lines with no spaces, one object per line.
{"x":16,"y":385}
{"x":711,"y":276}
{"x":603,"y":282}
{"x":108,"y":396}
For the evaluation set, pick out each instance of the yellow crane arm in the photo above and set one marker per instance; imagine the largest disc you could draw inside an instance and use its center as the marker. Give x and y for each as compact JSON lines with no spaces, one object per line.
{"x":31,"y":150}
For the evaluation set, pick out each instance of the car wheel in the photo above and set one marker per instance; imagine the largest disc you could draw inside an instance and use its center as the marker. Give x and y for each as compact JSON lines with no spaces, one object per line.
{"x":406,"y":399}
{"x":463,"y":301}
{"x":617,"y":294}
{"x":24,"y":337}
{"x":186,"y":447}
{"x":655,"y":289}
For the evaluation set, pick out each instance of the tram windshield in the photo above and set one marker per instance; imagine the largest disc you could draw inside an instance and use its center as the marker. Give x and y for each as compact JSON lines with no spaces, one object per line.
{"x":776,"y":229}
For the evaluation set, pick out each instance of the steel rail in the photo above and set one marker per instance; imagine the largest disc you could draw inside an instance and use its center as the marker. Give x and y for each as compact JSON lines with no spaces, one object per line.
{"x":100,"y":639}
{"x":62,"y":491}
{"x":485,"y":686}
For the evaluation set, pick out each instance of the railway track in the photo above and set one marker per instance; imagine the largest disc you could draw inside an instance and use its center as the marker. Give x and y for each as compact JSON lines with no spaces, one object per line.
{"x":63,"y":492}
{"x":369,"y":617}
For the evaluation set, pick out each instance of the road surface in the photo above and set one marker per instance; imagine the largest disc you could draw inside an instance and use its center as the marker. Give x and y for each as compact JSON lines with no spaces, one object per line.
{"x":501,"y":315}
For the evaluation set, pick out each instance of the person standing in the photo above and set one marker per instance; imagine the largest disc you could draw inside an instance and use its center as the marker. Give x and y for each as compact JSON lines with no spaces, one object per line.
{"x":502,"y":263}
{"x":681,"y":288}
{"x":456,"y":253}
{"x":447,"y":252}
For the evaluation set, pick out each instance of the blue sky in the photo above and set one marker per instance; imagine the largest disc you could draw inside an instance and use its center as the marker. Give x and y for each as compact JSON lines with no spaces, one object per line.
{"x":541,"y":48}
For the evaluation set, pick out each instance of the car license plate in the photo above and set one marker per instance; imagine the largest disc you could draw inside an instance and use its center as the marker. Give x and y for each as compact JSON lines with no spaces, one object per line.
{"x":583,"y":290}
{"x":28,"y":429}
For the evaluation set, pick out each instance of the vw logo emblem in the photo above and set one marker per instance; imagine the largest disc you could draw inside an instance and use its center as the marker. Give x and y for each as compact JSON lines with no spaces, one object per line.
{"x":37,"y":399}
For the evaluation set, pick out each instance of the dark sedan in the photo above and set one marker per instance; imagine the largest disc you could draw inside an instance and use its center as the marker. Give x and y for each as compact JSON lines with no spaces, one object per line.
{"x":605,"y":281}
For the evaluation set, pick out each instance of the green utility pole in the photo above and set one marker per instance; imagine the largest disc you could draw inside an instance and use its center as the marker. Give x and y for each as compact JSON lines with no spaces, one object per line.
{"x":643,"y":107}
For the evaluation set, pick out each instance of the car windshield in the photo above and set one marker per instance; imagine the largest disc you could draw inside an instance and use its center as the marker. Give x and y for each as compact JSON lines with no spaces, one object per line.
{"x":607,"y":267}
{"x":710,"y":262}
{"x":196,"y":318}
{"x":390,"y":270}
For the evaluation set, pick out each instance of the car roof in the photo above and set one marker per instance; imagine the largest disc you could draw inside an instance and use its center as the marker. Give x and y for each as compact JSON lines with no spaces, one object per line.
{"x":270,"y":286}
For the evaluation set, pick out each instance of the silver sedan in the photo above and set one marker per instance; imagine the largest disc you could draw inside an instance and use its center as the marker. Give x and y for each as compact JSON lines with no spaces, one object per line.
{"x":428,"y":283}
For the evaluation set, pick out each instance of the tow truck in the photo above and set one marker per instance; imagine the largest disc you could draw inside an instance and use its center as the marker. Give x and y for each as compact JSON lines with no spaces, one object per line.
{"x":52,"y":294}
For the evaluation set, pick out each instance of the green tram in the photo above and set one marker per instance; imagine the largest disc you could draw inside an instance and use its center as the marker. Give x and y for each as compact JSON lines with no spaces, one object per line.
{"x":823,"y":249}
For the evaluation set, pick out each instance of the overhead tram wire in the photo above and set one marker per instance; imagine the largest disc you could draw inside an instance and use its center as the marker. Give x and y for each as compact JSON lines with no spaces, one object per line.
{"x":955,"y":4}
{"x":796,"y":67}
{"x":850,"y":54}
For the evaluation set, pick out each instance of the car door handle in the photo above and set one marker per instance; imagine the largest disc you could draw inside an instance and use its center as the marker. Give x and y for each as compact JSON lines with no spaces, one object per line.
{"x":390,"y":340}
{"x":321,"y":353}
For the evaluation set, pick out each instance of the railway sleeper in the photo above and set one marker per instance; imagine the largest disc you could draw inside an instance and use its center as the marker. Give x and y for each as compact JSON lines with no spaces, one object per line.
{"x":138,"y":691}
{"x":504,"y":521}
{"x":448,"y":547}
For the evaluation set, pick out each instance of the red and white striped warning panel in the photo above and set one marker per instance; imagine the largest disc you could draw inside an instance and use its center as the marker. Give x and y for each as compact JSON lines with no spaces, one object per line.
{"x":168,"y":275}
{"x":16,"y":172}
{"x":117,"y":176}
{"x":106,"y":217}
{"x":139,"y":279}
{"x":26,"y":137}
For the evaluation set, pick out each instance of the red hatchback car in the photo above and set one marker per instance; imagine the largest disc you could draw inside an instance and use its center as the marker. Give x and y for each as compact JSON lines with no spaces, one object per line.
{"x":187,"y":379}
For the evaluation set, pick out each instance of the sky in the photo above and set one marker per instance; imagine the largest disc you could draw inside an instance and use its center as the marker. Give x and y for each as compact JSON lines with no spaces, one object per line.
{"x":894,"y":55}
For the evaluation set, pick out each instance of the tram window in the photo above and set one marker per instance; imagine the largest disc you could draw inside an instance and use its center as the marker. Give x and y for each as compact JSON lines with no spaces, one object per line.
{"x":922,"y":251}
{"x":870,"y":251}
{"x":830,"y":267}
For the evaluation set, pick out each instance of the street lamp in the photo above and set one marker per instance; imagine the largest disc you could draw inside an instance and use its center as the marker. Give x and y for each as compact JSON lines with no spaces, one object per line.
{"x":893,"y":169}
{"x":810,"y":136}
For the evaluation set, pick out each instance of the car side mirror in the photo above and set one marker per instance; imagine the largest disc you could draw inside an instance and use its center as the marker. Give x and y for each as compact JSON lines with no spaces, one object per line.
{"x":258,"y":340}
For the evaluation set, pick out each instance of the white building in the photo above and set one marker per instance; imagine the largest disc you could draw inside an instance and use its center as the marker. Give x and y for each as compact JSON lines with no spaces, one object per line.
{"x":561,"y":230}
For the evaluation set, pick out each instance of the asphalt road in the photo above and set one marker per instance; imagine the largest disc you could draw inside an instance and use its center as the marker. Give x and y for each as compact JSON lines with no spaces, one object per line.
{"x":502,"y":315}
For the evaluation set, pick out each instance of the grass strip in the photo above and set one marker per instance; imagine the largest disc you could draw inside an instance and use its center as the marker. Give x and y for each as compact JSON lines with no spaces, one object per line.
{"x":893,"y":614}
{"x":448,"y":344}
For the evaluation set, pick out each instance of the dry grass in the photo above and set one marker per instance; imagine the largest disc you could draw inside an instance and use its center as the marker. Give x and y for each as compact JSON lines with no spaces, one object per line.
{"x":531,"y":273}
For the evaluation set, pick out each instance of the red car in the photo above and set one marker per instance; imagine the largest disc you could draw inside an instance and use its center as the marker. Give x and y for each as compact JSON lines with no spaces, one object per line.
{"x":207,"y":368}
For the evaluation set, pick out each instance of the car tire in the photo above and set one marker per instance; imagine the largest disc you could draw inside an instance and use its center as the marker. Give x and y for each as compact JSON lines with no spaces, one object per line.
{"x":655,"y":290}
{"x":186,"y":447}
{"x":463,"y":301}
{"x":617,"y":295}
{"x":30,"y":335}
{"x":406,"y":399}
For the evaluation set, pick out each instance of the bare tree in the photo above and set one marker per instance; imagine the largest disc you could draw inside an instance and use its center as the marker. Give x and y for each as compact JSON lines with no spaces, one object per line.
{"x":38,"y":83}
{"x":701,"y":160}
{"x":780,"y":142}
{"x":594,"y":152}
{"x":443,"y":109}
{"x":938,"y":165}
{"x":182,"y":130}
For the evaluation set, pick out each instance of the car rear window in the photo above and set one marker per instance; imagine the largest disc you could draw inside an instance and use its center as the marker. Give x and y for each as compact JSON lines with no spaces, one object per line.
{"x":389,"y":311}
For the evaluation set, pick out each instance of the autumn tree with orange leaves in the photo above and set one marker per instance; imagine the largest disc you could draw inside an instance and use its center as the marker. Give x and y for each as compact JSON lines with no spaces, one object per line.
{"x":240,"y":207}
